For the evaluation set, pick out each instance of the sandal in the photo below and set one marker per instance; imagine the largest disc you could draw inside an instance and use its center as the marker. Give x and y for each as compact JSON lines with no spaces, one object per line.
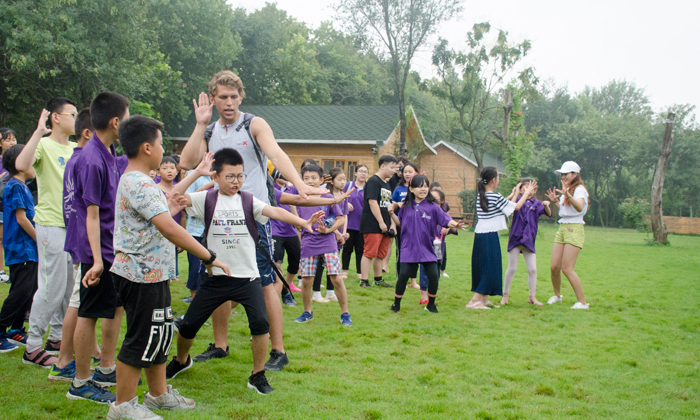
{"x":491,"y":305}
{"x":477,"y":305}
{"x":532,"y":300}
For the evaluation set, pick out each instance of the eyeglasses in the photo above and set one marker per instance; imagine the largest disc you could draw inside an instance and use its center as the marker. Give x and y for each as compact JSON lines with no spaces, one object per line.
{"x":362,"y":171}
{"x":239,"y":177}
{"x":72,"y":114}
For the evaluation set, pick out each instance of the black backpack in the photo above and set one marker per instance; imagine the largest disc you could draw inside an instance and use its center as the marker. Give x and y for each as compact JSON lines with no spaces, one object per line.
{"x":247,"y":118}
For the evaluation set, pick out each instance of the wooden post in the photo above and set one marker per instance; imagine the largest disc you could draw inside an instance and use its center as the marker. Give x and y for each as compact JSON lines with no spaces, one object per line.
{"x":657,"y":214}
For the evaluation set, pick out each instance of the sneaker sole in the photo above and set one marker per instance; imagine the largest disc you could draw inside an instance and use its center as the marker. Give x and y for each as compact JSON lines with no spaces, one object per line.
{"x":303,"y":322}
{"x":106,"y":384}
{"x":59,"y":378}
{"x":182,"y":370}
{"x":251,"y":386}
{"x":77,"y":397}
{"x":8,"y":350}
{"x":19,"y":343}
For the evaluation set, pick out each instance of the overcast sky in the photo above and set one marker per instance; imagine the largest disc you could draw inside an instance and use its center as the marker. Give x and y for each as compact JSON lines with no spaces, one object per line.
{"x":647,"y":42}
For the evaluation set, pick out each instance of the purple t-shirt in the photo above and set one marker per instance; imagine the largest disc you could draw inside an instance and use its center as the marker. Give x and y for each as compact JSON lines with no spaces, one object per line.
{"x":96,"y":180}
{"x":420,"y":225}
{"x":523,"y":230}
{"x":317,"y":243}
{"x":280,"y":228}
{"x":69,"y":203}
{"x":357,"y":199}
{"x":3,"y":171}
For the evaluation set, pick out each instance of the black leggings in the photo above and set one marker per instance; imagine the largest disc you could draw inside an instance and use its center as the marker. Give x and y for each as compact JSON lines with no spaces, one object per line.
{"x":23,"y":277}
{"x":319,"y":276}
{"x":409,"y":270}
{"x":355,"y":242}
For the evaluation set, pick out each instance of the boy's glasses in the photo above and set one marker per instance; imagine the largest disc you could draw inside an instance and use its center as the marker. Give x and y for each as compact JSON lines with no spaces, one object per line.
{"x":231,"y":177}
{"x":72,"y":114}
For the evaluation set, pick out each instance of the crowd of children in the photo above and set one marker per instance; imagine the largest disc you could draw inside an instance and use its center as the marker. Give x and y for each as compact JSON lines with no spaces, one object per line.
{"x":104,"y":241}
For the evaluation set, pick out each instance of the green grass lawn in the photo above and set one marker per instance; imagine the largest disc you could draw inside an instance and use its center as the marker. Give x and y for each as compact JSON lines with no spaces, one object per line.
{"x":632,"y":356}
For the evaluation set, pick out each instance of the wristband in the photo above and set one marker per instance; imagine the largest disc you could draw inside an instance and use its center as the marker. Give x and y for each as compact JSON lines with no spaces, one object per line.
{"x":211,"y":259}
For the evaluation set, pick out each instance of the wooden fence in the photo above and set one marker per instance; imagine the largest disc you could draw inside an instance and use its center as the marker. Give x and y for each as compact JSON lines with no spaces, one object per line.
{"x":682,"y":224}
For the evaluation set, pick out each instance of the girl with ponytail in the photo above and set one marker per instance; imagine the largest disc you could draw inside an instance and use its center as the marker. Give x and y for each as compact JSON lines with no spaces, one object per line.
{"x":487,"y":271}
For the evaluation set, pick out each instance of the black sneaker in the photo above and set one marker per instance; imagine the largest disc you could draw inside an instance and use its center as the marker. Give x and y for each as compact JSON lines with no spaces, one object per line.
{"x":278,"y":361}
{"x":432,"y":308}
{"x":395,"y":307}
{"x":382,"y":283}
{"x":364,"y":284}
{"x":212,"y":352}
{"x":175,"y":367}
{"x":258,"y":382}
{"x":288,"y":300}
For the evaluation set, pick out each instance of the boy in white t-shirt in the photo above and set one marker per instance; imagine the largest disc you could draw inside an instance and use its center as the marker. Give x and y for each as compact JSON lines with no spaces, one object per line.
{"x":231,"y":236}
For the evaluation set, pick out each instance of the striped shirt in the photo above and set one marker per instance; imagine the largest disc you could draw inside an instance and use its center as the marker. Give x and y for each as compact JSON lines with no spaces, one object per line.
{"x":494,"y":219}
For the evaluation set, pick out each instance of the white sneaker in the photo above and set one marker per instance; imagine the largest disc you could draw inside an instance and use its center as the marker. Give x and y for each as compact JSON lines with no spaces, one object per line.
{"x":320,"y":299}
{"x":131,"y":410}
{"x":445,"y":275}
{"x":171,"y":400}
{"x":579,"y":305}
{"x":4,"y":278}
{"x":555,"y":299}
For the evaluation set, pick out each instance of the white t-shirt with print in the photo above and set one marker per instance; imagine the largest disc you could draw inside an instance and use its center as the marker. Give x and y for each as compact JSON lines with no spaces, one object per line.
{"x":569,"y":214}
{"x":228,"y":234}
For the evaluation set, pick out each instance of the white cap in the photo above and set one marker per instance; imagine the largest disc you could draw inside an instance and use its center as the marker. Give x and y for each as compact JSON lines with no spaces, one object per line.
{"x":567,"y":167}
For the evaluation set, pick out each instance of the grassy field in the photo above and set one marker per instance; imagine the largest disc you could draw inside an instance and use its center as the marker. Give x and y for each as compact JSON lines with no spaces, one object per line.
{"x":632,"y":356}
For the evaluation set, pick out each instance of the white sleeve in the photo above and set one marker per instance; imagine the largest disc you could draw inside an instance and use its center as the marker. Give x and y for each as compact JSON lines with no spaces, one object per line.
{"x":580,"y":192}
{"x":258,"y":207}
{"x":197,"y":208}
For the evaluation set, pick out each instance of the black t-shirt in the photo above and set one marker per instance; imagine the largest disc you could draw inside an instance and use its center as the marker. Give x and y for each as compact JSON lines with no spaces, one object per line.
{"x":375,"y":189}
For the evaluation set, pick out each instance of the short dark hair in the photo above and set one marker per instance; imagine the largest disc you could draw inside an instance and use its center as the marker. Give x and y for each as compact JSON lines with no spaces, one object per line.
{"x":83,"y":121}
{"x":168,"y":159}
{"x":308,"y":161}
{"x":9,"y":158}
{"x":107,"y":106}
{"x":312,"y":168}
{"x":135,"y":131}
{"x":435,"y":184}
{"x":357,"y":168}
{"x":226,"y":156}
{"x":386,"y":159}
{"x":56,"y":105}
{"x":7,"y":132}
{"x":440,"y":194}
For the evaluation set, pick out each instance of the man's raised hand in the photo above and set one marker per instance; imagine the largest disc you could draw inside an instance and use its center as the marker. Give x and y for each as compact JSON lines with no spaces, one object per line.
{"x":203,"y":109}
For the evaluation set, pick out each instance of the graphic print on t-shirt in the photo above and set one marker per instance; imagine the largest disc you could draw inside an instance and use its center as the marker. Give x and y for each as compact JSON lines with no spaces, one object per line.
{"x":228,"y":226}
{"x":385,"y":198}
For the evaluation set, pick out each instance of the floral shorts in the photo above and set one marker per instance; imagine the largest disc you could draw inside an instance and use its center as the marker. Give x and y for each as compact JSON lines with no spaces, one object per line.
{"x":308,"y":264}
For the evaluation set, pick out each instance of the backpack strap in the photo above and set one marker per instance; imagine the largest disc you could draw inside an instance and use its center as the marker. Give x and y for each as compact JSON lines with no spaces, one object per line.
{"x":209,"y":205}
{"x":247,"y":118}
{"x":208,"y":132}
{"x":247,"y":201}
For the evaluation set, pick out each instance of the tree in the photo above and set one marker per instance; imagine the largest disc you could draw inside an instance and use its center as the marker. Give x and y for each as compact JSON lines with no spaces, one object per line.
{"x":48,"y":51}
{"x":400,"y":27}
{"x":470,"y":81}
{"x":657,"y":214}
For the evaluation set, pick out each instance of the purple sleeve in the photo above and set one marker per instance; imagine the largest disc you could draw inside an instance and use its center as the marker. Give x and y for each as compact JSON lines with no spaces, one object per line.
{"x":91,"y":178}
{"x":337,"y":210}
{"x":442,"y":218}
{"x":122,"y":163}
{"x":540,"y":209}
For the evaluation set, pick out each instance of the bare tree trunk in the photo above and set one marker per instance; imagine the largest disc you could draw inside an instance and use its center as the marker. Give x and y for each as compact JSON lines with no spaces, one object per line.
{"x":657,"y":214}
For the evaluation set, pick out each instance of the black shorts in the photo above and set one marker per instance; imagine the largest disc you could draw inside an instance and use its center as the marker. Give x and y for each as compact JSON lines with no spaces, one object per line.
{"x":220,"y":289}
{"x":101,"y":300}
{"x":293,"y":247}
{"x":149,"y":322}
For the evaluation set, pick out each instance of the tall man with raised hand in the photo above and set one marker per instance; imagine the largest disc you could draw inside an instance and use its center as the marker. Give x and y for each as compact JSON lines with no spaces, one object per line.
{"x":232,"y":130}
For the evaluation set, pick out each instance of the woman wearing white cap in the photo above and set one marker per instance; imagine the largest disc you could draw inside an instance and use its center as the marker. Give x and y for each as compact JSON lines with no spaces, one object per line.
{"x":572,"y":201}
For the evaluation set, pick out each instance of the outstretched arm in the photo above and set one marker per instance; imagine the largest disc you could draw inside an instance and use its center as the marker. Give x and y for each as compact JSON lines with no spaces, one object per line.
{"x":287,"y":217}
{"x":296,"y":200}
{"x":203,"y":169}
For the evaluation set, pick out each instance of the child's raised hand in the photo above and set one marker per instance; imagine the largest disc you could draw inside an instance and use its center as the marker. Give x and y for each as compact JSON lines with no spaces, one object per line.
{"x":41,"y":128}
{"x":203,"y":109}
{"x":176,"y":203}
{"x":546,"y":203}
{"x":531,"y":186}
{"x":552,"y":194}
{"x":218,"y":263}
{"x":204,"y":167}
{"x":461,"y":224}
{"x":313,"y":220}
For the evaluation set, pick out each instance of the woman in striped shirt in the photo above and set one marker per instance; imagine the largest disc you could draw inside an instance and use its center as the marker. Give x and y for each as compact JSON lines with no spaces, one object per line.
{"x":487,"y":270}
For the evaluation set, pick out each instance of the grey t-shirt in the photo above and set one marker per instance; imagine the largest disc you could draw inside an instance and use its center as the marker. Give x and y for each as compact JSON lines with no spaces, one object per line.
{"x":224,"y":136}
{"x":142,"y":254}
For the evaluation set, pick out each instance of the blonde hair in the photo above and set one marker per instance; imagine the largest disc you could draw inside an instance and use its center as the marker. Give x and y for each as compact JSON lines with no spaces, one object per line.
{"x":226,"y":78}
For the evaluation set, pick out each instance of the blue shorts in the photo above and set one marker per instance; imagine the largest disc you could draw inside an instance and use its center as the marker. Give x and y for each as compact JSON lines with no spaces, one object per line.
{"x":267,"y":274}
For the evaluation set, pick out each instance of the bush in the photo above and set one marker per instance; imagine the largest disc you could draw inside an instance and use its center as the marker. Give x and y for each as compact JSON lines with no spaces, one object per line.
{"x":467,"y":199}
{"x":635,"y":213}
